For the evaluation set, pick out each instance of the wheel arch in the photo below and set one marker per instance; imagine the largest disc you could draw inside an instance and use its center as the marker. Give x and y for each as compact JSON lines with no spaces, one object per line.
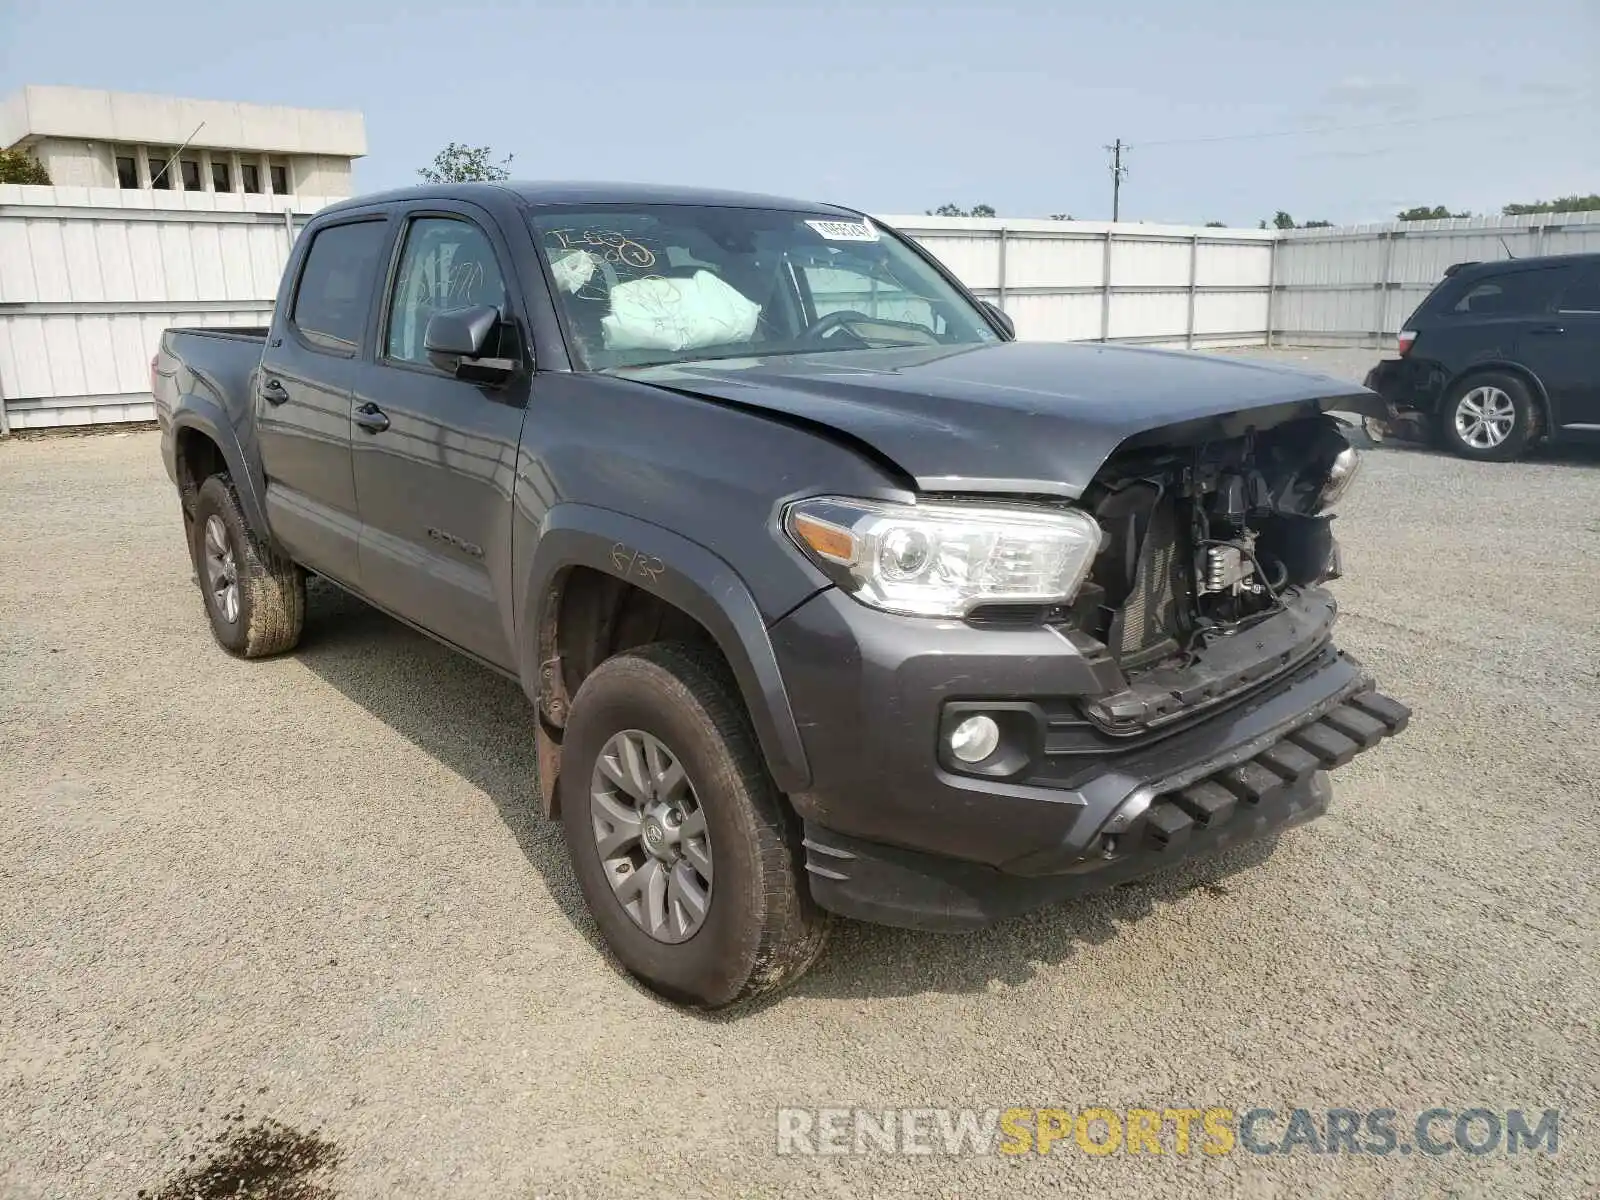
{"x":202,"y":437}
{"x":596,"y":579}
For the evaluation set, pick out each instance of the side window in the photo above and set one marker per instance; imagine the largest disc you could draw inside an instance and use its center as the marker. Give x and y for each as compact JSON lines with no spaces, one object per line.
{"x":330,"y":303}
{"x":1582,"y":293}
{"x":447,"y":263}
{"x":1514,"y":294}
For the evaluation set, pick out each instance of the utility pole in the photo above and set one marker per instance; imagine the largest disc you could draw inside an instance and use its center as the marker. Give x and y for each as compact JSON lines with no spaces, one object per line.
{"x":1117,"y":172}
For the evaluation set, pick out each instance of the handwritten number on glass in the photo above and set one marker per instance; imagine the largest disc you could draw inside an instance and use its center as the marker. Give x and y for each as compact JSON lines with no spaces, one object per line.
{"x":611,"y":246}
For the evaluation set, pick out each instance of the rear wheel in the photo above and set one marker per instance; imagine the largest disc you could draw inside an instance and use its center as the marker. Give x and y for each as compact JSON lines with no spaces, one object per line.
{"x":679,"y":838}
{"x":255,"y":598}
{"x":1488,"y":417}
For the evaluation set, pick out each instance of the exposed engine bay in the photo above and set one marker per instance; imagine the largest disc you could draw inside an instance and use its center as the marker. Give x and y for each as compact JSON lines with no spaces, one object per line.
{"x":1207,"y":540}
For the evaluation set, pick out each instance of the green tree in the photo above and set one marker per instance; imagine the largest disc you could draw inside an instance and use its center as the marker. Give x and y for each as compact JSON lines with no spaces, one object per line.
{"x":1282,"y":220}
{"x":1559,"y":204}
{"x":458,"y":163}
{"x":952,"y":210}
{"x":1423,"y":213}
{"x":1216,"y":224}
{"x":18,"y":166}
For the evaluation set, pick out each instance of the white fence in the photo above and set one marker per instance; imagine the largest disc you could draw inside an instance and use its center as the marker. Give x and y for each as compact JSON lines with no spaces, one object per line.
{"x":1091,"y":280}
{"x":1356,"y":286}
{"x":89,"y":278}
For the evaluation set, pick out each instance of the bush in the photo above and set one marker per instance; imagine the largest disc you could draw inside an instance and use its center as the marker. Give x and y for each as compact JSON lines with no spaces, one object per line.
{"x":18,"y":166}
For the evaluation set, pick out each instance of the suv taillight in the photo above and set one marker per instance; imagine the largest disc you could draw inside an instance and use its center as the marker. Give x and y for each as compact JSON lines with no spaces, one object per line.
{"x":1408,"y":338}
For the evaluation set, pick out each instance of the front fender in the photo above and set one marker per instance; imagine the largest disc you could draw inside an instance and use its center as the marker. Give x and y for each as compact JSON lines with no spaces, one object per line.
{"x":684,"y":574}
{"x":206,"y":416}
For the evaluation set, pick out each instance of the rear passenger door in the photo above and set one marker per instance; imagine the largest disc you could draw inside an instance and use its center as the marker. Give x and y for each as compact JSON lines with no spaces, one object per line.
{"x":1565,"y":353}
{"x":435,"y":455}
{"x":1492,"y":317}
{"x":303,"y":391}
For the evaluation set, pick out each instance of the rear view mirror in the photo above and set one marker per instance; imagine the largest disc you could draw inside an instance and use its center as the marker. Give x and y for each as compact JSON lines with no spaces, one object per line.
{"x":459,"y":333}
{"x":1001,"y":318}
{"x":457,"y":338}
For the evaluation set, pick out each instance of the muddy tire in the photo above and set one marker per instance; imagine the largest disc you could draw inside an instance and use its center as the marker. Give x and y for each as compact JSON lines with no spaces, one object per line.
{"x":255,"y":598}
{"x":686,"y":852}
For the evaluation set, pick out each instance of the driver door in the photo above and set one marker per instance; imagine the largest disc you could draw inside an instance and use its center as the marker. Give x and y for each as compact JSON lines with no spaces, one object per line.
{"x":435,"y":455}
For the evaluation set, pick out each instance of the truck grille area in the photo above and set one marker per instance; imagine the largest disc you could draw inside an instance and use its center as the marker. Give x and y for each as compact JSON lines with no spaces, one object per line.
{"x":1076,"y":748}
{"x":1139,"y":597}
{"x":1147,"y":625}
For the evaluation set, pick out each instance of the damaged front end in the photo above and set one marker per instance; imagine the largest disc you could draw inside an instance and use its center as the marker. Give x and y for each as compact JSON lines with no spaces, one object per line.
{"x":1207,"y":583}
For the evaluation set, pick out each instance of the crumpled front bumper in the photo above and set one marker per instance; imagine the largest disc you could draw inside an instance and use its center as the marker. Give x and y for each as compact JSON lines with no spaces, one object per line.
{"x":1252,"y":791}
{"x":896,"y":833}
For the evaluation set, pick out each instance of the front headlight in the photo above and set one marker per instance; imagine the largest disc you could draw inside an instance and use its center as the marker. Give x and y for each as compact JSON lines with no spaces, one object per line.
{"x":1341,"y":475}
{"x":944,"y":560}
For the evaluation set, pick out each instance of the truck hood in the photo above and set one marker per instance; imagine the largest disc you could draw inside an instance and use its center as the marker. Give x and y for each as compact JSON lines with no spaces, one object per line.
{"x":1022,"y":417}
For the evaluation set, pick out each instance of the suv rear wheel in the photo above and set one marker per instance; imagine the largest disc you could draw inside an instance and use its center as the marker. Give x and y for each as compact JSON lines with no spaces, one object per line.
{"x":680,"y":840}
{"x":1488,"y":417}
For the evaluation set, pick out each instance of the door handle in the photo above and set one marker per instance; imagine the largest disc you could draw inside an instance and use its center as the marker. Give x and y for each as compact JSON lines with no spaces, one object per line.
{"x":1547,"y":330}
{"x":371,"y":418}
{"x":274,"y":391}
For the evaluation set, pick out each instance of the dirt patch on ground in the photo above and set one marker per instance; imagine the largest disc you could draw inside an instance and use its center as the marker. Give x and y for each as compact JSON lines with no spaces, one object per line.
{"x":265,"y":1161}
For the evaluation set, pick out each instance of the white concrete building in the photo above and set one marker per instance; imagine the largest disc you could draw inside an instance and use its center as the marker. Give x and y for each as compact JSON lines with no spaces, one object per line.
{"x":87,"y":138}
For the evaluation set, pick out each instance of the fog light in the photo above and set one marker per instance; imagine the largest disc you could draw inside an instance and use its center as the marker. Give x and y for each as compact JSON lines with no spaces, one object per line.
{"x":975,"y":739}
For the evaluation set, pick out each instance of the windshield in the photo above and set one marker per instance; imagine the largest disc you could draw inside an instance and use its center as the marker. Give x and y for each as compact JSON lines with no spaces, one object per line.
{"x":662,"y":283}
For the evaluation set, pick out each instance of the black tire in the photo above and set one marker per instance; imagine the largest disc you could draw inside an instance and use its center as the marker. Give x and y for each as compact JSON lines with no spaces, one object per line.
{"x":761,"y":929}
{"x":271,"y":589}
{"x":1524,"y":410}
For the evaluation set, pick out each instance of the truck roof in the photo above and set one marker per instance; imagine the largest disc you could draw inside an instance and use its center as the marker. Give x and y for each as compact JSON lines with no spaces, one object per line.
{"x":539,"y":193}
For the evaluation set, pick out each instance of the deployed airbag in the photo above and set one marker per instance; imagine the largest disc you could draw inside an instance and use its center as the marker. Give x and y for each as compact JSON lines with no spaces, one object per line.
{"x":572,"y":269}
{"x":678,"y":314}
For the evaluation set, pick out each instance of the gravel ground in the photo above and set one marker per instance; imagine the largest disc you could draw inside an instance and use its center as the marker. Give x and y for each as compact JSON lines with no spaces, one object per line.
{"x":303,"y":907}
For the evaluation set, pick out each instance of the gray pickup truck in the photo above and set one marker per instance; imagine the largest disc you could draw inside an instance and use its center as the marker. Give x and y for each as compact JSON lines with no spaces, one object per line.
{"x":829,"y":595}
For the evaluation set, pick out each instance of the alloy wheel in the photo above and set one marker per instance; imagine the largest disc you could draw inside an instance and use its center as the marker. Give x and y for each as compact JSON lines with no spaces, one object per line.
{"x":1485,"y":417}
{"x":222,"y":576}
{"x":651,"y":834}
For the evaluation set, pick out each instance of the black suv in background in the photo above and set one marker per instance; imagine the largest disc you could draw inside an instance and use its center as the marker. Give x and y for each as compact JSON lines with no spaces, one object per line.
{"x":1501,"y":355}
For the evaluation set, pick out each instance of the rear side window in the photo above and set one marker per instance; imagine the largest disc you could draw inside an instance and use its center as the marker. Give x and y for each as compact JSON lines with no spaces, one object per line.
{"x":1582,"y":293}
{"x":1514,"y":294}
{"x":330,"y":304}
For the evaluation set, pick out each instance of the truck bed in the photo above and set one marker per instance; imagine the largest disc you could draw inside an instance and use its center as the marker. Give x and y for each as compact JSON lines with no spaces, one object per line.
{"x":221,"y":360}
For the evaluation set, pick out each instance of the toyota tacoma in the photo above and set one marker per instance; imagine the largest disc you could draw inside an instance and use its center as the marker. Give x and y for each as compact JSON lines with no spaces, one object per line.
{"x":829,"y":596}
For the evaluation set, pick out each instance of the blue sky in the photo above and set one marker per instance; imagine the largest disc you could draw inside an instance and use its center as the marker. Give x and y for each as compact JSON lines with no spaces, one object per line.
{"x":899,"y":107}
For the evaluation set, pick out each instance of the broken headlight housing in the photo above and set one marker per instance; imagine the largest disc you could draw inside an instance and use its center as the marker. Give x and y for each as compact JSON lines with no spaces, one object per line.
{"x":944,"y":560}
{"x":1341,"y":474}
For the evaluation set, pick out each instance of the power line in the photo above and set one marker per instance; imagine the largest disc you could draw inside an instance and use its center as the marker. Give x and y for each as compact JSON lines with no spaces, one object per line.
{"x":1283,"y":133}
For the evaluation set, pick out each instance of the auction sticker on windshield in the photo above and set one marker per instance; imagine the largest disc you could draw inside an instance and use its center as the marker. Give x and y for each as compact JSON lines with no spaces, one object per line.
{"x":845,"y":231}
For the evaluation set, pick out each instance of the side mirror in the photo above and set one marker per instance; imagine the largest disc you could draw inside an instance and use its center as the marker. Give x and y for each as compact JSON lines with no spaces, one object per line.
{"x":457,"y":334}
{"x":1001,"y":318}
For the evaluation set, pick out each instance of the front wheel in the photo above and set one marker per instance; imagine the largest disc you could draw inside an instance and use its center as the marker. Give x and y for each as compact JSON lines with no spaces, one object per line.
{"x":1488,"y":417}
{"x":679,"y":838}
